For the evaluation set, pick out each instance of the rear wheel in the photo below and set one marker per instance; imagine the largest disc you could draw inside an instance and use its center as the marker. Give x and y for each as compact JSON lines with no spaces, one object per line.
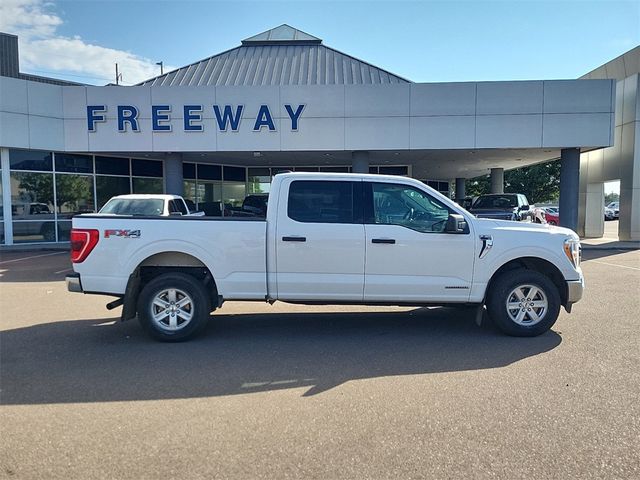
{"x":174,"y":307}
{"x":523,"y":303}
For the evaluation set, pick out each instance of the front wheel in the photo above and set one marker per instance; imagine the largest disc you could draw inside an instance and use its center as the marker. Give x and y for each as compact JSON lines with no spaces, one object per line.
{"x":523,"y":303}
{"x":173,"y":307}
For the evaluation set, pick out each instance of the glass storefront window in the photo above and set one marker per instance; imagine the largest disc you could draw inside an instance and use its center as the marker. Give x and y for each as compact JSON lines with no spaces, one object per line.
{"x":146,"y":168}
{"x":31,"y":232}
{"x":107,"y":187}
{"x":67,"y":162}
{"x":32,"y":207}
{"x":209,"y":172}
{"x":234,"y":174}
{"x":189,"y":171}
{"x":112,"y":165}
{"x":259,"y":180}
{"x":209,"y":198}
{"x":30,"y":160}
{"x":148,"y":185}
{"x":64,"y":231}
{"x":31,"y":196}
{"x":74,"y":194}
{"x":189,"y":190}
{"x":233,"y":195}
{"x":394,"y":171}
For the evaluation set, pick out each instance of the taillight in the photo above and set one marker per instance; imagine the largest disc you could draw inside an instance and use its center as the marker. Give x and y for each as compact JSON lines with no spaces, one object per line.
{"x":82,"y":242}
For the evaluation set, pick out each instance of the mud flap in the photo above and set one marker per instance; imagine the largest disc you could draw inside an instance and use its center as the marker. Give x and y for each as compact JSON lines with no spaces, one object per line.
{"x":131,"y":297}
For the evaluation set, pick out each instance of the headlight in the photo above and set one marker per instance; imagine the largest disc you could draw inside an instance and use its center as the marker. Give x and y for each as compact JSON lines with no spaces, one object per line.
{"x":573,"y":251}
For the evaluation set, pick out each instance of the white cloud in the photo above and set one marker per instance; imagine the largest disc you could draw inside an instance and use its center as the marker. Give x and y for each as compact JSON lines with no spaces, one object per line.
{"x":42,"y":49}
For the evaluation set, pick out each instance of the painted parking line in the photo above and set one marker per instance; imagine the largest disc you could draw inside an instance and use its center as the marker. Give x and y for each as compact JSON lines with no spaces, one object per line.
{"x":33,"y":256}
{"x":613,"y":265}
{"x":62,"y":271}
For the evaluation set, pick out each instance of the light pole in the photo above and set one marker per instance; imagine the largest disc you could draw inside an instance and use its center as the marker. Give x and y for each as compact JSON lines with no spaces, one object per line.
{"x":161,"y":67}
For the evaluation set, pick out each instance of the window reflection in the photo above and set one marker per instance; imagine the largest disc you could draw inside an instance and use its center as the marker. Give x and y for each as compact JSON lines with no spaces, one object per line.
{"x":74,"y":194}
{"x":29,"y":232}
{"x":148,"y":185}
{"x":107,"y":187}
{"x":32,"y":196}
{"x":209,"y":198}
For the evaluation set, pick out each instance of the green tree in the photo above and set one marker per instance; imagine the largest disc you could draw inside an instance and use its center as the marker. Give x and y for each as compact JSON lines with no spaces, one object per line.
{"x":611,"y":197}
{"x":74,"y":192}
{"x":477,"y":186}
{"x":539,"y":183}
{"x":38,"y":186}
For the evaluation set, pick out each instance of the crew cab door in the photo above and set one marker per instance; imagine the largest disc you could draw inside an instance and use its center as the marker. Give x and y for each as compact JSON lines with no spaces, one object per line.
{"x":320,"y":240}
{"x":409,"y":257}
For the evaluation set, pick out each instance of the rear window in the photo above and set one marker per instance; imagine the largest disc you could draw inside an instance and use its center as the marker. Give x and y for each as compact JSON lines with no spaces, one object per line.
{"x":128,"y":206}
{"x":321,"y":202}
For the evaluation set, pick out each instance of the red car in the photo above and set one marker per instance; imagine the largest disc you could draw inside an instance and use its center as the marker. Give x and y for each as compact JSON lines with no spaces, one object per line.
{"x":552,"y":216}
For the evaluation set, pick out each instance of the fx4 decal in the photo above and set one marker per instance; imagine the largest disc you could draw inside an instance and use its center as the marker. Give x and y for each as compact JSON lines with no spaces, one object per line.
{"x":122,"y":233}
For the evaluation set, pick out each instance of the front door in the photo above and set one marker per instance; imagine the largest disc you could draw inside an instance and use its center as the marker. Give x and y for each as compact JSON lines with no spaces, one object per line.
{"x":409,"y":256}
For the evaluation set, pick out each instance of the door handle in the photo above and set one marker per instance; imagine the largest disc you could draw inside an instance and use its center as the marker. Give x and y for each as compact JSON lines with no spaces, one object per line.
{"x":294,"y":239}
{"x":383,"y":240}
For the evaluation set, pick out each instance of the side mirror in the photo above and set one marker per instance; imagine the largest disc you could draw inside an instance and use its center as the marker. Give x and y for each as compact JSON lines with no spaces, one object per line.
{"x":456,"y":224}
{"x":524,"y":208}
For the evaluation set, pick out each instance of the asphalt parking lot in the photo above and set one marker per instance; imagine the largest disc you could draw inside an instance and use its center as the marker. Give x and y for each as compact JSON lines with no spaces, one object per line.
{"x":317,"y":392}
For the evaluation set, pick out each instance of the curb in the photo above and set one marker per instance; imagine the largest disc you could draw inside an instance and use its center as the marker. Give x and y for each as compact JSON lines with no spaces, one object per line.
{"x":611,"y":247}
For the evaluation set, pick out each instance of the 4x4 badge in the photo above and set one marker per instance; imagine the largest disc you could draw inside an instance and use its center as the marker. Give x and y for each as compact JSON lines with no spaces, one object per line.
{"x":122,"y":233}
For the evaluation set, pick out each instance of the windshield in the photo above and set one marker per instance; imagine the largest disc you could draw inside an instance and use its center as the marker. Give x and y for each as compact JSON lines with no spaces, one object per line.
{"x":134,"y":206}
{"x":496,"y":201}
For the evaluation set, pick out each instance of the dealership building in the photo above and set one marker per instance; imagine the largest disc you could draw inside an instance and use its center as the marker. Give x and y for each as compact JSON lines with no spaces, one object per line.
{"x":218,"y":130}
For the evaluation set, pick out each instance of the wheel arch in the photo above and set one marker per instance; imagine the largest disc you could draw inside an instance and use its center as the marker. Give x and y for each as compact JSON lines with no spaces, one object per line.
{"x":537,"y":264}
{"x":163,"y":262}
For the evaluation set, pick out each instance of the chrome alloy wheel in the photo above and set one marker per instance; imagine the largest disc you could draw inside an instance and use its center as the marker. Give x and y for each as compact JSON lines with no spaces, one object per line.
{"x":527,"y":305}
{"x":172,"y":309}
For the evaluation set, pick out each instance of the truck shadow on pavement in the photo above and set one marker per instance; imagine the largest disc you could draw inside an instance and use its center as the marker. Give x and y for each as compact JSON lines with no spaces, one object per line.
{"x":105,"y":360}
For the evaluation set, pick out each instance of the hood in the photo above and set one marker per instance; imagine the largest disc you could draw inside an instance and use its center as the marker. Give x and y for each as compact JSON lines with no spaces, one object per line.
{"x":488,"y":225}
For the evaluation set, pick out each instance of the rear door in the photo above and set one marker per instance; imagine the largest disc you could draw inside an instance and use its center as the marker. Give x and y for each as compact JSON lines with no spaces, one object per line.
{"x":409,"y":256}
{"x":320,"y":240}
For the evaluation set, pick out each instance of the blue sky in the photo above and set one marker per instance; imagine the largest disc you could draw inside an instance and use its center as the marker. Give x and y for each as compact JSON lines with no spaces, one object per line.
{"x":424,"y":41}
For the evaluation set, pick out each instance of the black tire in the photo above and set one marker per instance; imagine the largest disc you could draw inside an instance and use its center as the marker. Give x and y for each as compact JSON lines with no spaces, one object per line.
{"x":503,"y":290}
{"x":184,"y":287}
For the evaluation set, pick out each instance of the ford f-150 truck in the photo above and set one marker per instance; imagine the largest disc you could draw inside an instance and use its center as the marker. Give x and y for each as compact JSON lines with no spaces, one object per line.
{"x":329,"y":239}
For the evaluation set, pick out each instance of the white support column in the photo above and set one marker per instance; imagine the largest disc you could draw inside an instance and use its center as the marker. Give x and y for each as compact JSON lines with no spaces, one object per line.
{"x":594,"y":211}
{"x":6,"y":196}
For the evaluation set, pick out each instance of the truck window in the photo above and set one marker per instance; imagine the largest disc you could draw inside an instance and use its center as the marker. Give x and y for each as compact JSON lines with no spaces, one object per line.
{"x":312,"y":201}
{"x":177,"y":206}
{"x":395,"y":204}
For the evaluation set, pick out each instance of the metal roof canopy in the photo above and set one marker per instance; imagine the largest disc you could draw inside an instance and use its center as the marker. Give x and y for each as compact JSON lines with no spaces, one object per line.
{"x":280,"y":56}
{"x":281,"y":35}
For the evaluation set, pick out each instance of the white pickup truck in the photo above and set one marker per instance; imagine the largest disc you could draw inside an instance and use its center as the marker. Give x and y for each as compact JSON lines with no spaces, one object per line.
{"x":329,"y":239}
{"x":148,"y":205}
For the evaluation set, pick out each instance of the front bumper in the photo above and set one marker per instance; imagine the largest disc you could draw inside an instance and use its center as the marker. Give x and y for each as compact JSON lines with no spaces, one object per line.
{"x":73,"y":283}
{"x":575,"y":289}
